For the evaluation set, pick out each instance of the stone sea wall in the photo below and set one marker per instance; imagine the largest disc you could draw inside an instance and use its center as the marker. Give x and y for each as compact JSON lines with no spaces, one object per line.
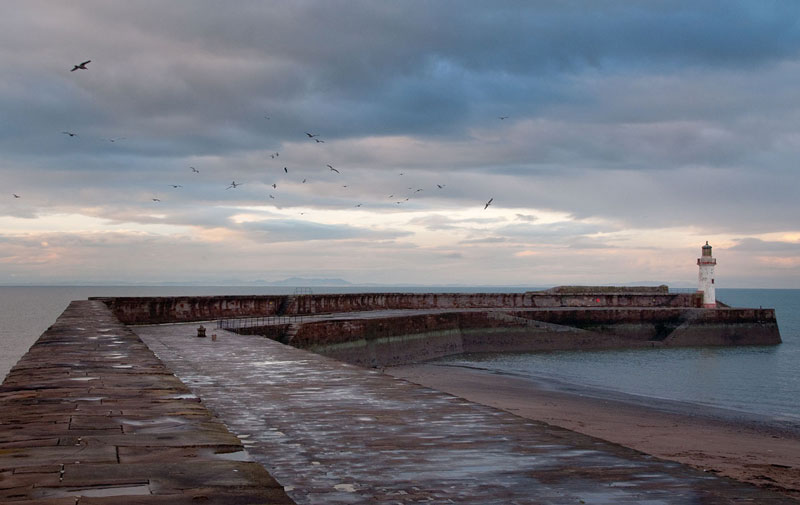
{"x":413,"y":338}
{"x":149,"y":310}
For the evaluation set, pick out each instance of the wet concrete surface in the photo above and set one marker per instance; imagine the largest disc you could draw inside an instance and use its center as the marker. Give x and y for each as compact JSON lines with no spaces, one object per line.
{"x":333,"y":433}
{"x":90,"y":416}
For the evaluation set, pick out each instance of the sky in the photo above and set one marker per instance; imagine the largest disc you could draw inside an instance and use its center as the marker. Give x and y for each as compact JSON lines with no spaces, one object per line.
{"x":612,"y":138}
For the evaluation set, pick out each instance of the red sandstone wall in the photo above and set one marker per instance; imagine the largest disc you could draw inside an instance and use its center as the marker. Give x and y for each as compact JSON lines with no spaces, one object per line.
{"x":397,"y":340}
{"x":144,"y":310}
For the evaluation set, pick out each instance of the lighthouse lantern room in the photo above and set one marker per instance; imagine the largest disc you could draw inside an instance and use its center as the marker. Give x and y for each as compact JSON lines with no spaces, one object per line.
{"x":706,"y":277}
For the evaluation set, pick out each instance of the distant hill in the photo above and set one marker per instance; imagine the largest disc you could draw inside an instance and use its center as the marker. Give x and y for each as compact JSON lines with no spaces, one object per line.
{"x":302,"y":281}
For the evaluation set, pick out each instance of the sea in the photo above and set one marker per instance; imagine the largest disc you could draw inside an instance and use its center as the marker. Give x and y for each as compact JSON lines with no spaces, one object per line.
{"x":757,"y":381}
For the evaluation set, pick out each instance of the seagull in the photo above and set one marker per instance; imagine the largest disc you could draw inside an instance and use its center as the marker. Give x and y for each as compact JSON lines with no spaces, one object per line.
{"x":391,"y":196}
{"x":156,"y":200}
{"x":118,"y":138}
{"x":82,"y":66}
{"x":311,"y":135}
{"x":272,"y":156}
{"x":70,"y":134}
{"x":272,"y":197}
{"x":440,"y":186}
{"x":503,"y":117}
{"x":176,"y":186}
{"x":359,"y":205}
{"x":286,"y":170}
{"x":195,"y":170}
{"x":234,"y":184}
{"x":418,"y":190}
{"x":274,"y":186}
{"x":277,"y":154}
{"x":488,"y":203}
{"x":318,"y":141}
{"x":15,"y":195}
{"x":333,"y":169}
{"x":304,"y":181}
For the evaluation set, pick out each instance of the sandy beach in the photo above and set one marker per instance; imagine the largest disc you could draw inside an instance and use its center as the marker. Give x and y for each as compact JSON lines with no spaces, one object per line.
{"x":766,"y":456}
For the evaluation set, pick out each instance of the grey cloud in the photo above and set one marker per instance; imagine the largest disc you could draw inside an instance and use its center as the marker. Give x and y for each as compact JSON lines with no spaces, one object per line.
{"x":750,"y":244}
{"x":290,"y":231}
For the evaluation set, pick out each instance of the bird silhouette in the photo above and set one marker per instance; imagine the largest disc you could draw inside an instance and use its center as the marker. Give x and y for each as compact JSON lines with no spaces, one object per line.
{"x":156,"y":200}
{"x":272,"y":197}
{"x":311,"y":135}
{"x":15,"y":195}
{"x":70,"y":134}
{"x":488,"y":203}
{"x":82,"y":66}
{"x":115,"y":139}
{"x":333,"y":169}
{"x":195,"y":170}
{"x":286,"y":170}
{"x":274,"y":186}
{"x":318,"y":141}
{"x":304,"y":181}
{"x":176,"y":186}
{"x":234,"y":185}
{"x":440,"y":186}
{"x":502,"y":117}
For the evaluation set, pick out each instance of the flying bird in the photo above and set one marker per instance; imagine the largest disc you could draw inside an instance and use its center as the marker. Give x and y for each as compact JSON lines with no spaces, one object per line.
{"x":488,"y":203}
{"x":503,"y":117}
{"x":195,"y":170}
{"x":234,"y":185}
{"x":440,"y":186}
{"x":333,"y":169}
{"x":115,"y":139}
{"x":274,"y":186}
{"x":272,"y":197}
{"x":286,"y":170}
{"x":318,"y":141}
{"x":156,"y":200}
{"x":311,"y":135}
{"x":15,"y":195}
{"x":82,"y":66}
{"x":70,"y":134}
{"x":304,"y":181}
{"x":176,"y":186}
{"x":359,"y":205}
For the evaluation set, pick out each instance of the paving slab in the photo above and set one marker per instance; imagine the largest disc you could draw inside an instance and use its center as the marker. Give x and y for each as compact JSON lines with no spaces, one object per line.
{"x":333,"y":433}
{"x":91,"y":416}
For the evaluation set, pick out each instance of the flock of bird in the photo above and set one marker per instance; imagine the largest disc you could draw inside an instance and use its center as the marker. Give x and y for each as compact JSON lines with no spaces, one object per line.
{"x":234,"y":184}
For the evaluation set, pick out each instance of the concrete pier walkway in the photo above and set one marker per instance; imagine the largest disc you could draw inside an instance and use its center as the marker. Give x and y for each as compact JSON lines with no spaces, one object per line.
{"x":333,"y":433}
{"x":90,"y":416}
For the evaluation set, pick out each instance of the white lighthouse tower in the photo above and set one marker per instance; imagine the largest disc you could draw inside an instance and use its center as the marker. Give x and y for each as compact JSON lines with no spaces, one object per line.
{"x":706,"y":277}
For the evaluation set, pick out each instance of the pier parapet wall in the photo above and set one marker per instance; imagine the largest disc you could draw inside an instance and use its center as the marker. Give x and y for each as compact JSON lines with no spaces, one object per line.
{"x":149,"y":310}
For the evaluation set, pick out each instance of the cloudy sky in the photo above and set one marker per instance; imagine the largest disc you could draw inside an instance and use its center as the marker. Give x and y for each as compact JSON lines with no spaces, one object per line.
{"x":613,"y":138}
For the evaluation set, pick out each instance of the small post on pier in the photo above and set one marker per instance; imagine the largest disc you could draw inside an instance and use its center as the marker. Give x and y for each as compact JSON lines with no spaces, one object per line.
{"x":201,"y":331}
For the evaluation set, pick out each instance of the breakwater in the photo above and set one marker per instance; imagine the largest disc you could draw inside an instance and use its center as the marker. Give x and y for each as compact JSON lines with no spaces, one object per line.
{"x":153,"y":310}
{"x":381,"y":329}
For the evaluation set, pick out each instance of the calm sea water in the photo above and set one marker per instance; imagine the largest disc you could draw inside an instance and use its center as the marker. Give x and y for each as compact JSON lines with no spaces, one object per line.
{"x":760,"y":380}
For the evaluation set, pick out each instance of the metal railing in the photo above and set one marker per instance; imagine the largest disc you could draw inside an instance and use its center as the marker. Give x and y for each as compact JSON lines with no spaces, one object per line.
{"x":250,"y":322}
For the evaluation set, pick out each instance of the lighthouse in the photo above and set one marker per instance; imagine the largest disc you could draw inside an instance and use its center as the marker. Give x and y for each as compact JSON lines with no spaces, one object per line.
{"x":706,"y":277}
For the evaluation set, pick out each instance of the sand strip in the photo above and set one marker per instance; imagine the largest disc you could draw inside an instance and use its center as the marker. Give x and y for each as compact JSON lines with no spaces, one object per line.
{"x":768,"y":458}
